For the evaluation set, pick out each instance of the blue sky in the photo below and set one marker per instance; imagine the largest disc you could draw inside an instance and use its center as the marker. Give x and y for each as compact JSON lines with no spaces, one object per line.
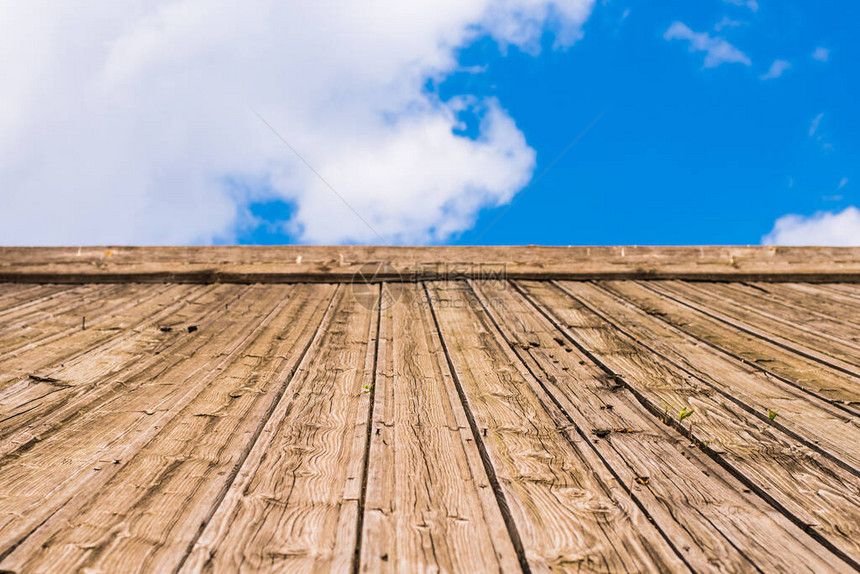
{"x":711,"y":122}
{"x":683,"y":154}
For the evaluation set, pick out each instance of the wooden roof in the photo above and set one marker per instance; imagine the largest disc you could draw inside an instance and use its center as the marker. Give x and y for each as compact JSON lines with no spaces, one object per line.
{"x":413,"y":409}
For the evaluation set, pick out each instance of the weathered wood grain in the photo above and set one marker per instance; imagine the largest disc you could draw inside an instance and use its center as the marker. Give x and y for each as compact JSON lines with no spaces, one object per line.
{"x":295,"y":503}
{"x":85,"y":312}
{"x":65,"y":337}
{"x":51,"y":295}
{"x":829,"y":351}
{"x":709,"y":516}
{"x":52,"y":394}
{"x":55,"y":304}
{"x":308,"y":263}
{"x":768,"y":461}
{"x":149,"y":512}
{"x":429,"y":505}
{"x":809,"y":419}
{"x":54,"y":473}
{"x":790,"y":321}
{"x":477,"y":425}
{"x":568,"y":510}
{"x":846,"y":289}
{"x":839,"y":388}
{"x":814,"y":299}
{"x":13,"y":294}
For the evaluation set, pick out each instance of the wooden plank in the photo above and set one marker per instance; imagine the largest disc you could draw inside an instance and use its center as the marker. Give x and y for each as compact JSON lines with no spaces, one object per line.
{"x":788,"y":320}
{"x":295,"y":503}
{"x":815,"y":299}
{"x":149,"y":512}
{"x":836,"y":387}
{"x":844,"y":288}
{"x":50,"y":477}
{"x":33,"y":383}
{"x":16,"y":304}
{"x":246,"y":264}
{"x":429,"y":506}
{"x":789,"y":475}
{"x":60,"y":322}
{"x":826,"y":350}
{"x":62,"y":299}
{"x":38,"y":403}
{"x":45,"y":307}
{"x":65,"y":337}
{"x":730,"y":530}
{"x":568,"y":509}
{"x":814,"y":421}
{"x":12,"y":294}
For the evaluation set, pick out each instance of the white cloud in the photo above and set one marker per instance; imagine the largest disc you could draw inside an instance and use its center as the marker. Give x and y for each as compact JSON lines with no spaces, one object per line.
{"x":816,"y":122}
{"x":132,"y":122}
{"x":821,"y":54}
{"x":823,"y":228}
{"x":776,"y":69}
{"x":717,"y":50}
{"x":751,"y":4}
{"x":816,"y":132}
{"x":842,"y":183}
{"x":727,"y":22}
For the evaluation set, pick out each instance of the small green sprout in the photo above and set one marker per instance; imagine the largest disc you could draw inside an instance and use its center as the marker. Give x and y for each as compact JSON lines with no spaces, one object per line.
{"x":367,"y":387}
{"x":665,"y":411}
{"x":771,"y":414}
{"x":685,"y":413}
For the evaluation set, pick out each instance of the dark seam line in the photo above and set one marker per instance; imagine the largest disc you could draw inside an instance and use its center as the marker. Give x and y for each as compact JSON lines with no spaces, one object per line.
{"x":579,"y":431}
{"x":814,"y":534}
{"x":356,"y":560}
{"x":222,"y":494}
{"x":738,"y":402}
{"x":505,"y":510}
{"x":756,"y":287}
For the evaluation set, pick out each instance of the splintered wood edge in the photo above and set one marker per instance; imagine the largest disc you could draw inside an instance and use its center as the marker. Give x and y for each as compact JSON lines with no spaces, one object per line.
{"x":372,"y":264}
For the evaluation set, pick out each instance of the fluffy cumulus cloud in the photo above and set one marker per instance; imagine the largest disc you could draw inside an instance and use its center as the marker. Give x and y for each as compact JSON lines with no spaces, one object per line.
{"x":136,"y":122}
{"x":823,"y":228}
{"x":717,"y":50}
